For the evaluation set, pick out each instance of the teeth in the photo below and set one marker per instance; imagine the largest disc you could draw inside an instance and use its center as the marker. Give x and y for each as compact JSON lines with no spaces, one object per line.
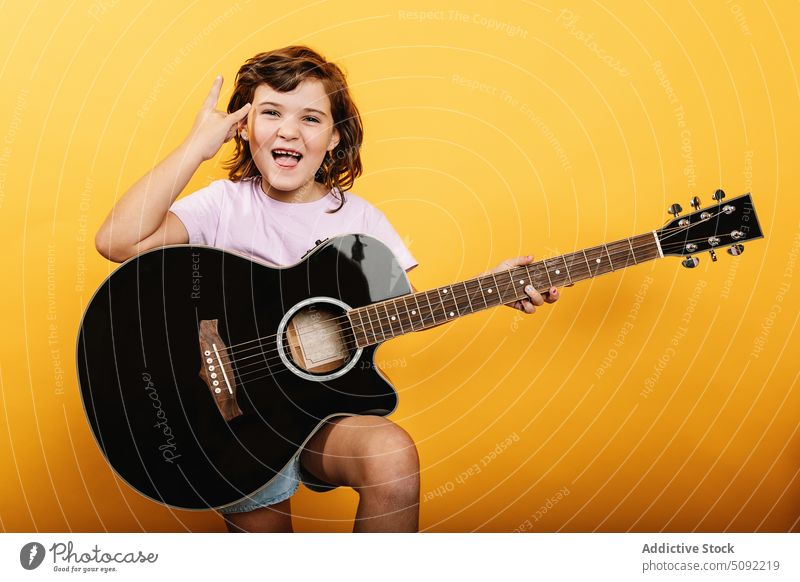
{"x":287,"y":153}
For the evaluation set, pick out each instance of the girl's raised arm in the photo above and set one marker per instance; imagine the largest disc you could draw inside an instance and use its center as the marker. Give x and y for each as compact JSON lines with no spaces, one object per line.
{"x":141,"y":220}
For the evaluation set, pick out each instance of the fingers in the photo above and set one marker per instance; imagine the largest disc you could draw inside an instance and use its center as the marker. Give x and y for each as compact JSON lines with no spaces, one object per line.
{"x":529,"y":304}
{"x":535,"y":297}
{"x":525,"y":305}
{"x":509,"y":263}
{"x":231,"y":133}
{"x":213,"y":95}
{"x":552,"y":295}
{"x":525,"y":260}
{"x":240,"y":113}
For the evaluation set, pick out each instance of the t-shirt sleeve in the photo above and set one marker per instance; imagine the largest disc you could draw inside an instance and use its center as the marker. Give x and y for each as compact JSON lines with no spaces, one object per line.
{"x":200,"y":211}
{"x":381,"y":228}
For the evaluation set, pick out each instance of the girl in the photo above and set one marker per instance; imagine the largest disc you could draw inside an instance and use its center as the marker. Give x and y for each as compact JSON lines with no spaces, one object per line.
{"x":298,"y":134}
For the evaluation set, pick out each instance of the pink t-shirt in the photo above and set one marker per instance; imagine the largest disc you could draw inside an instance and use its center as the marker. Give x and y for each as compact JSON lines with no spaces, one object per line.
{"x":238,"y":216}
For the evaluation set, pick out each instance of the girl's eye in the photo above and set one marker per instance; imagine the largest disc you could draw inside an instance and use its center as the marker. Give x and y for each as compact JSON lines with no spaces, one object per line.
{"x":273,"y":113}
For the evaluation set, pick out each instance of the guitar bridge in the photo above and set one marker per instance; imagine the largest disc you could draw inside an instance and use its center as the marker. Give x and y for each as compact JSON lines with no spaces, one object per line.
{"x":216,"y":370}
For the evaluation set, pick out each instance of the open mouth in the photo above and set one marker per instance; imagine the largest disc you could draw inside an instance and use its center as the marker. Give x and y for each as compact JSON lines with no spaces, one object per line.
{"x":286,"y":158}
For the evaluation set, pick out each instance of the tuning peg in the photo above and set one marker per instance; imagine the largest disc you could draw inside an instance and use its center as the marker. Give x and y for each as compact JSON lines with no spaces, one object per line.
{"x":695,"y":203}
{"x":718,"y":195}
{"x":713,"y":255}
{"x":736,"y":250}
{"x":675,"y":209}
{"x":690,"y":262}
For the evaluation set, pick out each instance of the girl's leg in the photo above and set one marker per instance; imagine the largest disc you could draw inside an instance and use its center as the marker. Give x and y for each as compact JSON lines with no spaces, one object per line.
{"x":378,"y":459}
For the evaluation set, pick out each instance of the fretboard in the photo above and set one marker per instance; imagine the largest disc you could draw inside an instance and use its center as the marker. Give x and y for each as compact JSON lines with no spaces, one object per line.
{"x":378,"y":322}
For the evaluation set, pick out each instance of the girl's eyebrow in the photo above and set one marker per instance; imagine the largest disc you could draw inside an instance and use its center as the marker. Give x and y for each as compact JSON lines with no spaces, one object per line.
{"x":304,"y":109}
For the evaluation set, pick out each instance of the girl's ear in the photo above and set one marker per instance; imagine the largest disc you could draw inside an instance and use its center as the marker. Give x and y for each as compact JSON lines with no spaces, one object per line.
{"x":334,"y":139}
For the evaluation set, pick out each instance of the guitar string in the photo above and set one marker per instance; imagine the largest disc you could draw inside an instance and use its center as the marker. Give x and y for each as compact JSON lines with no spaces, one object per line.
{"x":265,"y":358}
{"x":244,"y":380}
{"x":577,"y":272}
{"x":456,"y":295}
{"x":600,"y":249}
{"x":577,"y":264}
{"x":248,"y":376}
{"x":332,"y":323}
{"x":327,"y":323}
{"x":274,"y":360}
{"x":543,"y":261}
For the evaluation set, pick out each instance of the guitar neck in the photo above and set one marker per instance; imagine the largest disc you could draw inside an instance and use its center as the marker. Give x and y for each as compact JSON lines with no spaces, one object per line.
{"x":378,"y":322}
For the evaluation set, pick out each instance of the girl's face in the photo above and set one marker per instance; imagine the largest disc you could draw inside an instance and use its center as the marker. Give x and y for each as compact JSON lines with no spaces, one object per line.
{"x":289,"y":134}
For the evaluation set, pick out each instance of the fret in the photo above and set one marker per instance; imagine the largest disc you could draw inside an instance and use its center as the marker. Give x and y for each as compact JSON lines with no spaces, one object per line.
{"x":564,"y":258}
{"x":351,"y":315}
{"x":496,"y":288}
{"x":610,"y":262}
{"x":399,"y":317}
{"x":536,"y":275}
{"x":556,"y":271}
{"x":371,"y":325}
{"x":599,"y":261}
{"x":588,"y":266}
{"x":444,"y":309}
{"x":547,"y":272}
{"x":378,"y":318}
{"x":618,"y":251}
{"x":472,"y":309}
{"x":577,"y":268}
{"x":523,"y":281}
{"x":633,"y":253}
{"x":483,"y":293}
{"x":360,"y":326}
{"x":433,"y":317}
{"x":419,"y":311}
{"x":508,"y":287}
{"x":452,"y":294}
{"x":388,"y":318}
{"x":447,"y":313}
{"x":595,"y":260}
{"x":531,"y":278}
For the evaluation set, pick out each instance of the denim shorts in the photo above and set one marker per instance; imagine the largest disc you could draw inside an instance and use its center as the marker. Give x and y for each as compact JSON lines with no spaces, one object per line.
{"x":281,"y":488}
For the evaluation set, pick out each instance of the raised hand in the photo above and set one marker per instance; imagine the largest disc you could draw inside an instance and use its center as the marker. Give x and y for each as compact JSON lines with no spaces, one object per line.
{"x":534,"y":299}
{"x":213,"y":127}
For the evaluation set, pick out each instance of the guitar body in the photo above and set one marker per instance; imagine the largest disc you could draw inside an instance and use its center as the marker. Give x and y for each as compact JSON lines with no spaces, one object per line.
{"x":147,"y":377}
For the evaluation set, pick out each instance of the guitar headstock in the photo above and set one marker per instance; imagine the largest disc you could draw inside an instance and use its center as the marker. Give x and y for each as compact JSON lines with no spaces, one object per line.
{"x":724,"y":224}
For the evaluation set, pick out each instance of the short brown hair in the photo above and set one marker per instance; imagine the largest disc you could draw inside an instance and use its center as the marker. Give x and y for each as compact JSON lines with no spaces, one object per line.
{"x":283,"y":69}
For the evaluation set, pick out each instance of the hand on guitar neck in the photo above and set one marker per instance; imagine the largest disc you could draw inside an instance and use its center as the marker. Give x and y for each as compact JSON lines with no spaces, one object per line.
{"x":535,"y":299}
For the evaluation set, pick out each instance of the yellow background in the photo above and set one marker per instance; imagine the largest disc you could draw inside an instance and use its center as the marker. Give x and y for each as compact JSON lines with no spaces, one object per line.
{"x":492,"y":130}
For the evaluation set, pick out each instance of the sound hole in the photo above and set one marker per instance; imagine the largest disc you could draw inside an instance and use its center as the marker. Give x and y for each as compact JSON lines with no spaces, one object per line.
{"x":318,"y":338}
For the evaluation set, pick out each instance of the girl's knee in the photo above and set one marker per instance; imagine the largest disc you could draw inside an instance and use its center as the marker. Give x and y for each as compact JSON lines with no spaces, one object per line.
{"x":388,"y":458}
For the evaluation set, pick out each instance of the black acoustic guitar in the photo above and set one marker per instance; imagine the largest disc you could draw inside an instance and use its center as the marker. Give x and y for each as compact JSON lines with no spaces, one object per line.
{"x":203,"y":372}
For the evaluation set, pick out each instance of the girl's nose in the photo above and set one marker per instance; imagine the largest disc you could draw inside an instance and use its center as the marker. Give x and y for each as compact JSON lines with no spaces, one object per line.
{"x":287,"y":129}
